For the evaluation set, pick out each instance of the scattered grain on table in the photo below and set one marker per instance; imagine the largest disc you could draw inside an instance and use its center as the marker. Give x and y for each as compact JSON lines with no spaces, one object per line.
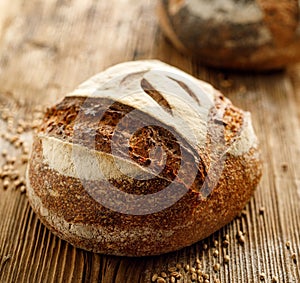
{"x":262,"y":210}
{"x":262,"y":276}
{"x":14,"y":134}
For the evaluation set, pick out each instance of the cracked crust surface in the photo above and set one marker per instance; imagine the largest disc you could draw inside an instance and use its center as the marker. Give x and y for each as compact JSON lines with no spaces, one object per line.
{"x":68,"y":194}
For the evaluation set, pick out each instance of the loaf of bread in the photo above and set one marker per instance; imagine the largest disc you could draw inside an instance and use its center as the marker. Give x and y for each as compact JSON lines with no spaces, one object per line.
{"x":252,"y":34}
{"x":142,"y":159}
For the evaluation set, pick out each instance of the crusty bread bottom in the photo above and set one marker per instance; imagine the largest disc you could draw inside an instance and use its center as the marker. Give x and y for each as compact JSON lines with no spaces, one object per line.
{"x":162,"y":232}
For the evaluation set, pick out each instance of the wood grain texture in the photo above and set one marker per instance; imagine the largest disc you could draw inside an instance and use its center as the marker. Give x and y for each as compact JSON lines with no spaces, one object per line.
{"x":49,"y":47}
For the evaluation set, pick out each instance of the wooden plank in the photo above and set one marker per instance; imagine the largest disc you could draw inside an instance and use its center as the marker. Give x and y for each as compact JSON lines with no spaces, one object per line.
{"x":49,"y":47}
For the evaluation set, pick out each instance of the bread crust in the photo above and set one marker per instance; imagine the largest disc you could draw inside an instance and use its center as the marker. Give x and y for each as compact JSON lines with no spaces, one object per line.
{"x":60,"y":197}
{"x":72,"y":214}
{"x":257,"y":35}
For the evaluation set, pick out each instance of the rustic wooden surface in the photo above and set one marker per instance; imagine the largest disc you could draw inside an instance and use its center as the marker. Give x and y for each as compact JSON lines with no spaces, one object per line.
{"x":49,"y":47}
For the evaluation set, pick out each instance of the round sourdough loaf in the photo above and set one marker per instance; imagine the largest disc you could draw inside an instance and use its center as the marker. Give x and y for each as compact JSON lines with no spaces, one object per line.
{"x":250,"y":34}
{"x":142,"y":159}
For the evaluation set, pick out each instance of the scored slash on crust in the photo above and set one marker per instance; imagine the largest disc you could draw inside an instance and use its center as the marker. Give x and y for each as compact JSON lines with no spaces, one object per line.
{"x":162,"y":87}
{"x":110,"y":148}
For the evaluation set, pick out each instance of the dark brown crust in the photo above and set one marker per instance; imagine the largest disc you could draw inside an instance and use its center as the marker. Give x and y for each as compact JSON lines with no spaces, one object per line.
{"x":282,"y":19}
{"x":58,"y":198}
{"x":203,"y":39}
{"x":96,"y":120}
{"x":205,"y":215}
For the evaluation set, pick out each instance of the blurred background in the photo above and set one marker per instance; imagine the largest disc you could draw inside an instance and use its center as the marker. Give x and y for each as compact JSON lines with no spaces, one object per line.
{"x":49,"y":47}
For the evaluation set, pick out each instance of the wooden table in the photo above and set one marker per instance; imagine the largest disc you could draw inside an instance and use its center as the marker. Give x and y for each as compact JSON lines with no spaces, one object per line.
{"x":49,"y":47}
